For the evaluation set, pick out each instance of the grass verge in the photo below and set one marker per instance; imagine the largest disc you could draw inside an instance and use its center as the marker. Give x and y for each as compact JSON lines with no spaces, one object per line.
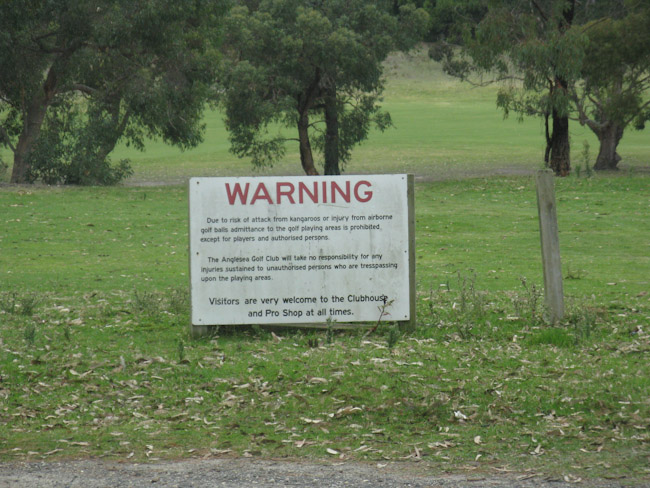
{"x":95,"y":359}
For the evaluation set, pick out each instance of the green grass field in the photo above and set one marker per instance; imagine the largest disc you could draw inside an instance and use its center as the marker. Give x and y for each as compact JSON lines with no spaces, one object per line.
{"x":96,"y":359}
{"x":443,"y":129}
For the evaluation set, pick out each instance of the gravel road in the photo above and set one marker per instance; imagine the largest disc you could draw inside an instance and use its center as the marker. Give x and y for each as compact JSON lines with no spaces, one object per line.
{"x":244,"y":473}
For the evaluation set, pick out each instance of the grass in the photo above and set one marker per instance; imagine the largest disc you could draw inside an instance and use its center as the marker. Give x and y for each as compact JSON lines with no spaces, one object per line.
{"x":103,"y":364}
{"x":96,"y":359}
{"x":107,"y":239}
{"x":501,"y":214}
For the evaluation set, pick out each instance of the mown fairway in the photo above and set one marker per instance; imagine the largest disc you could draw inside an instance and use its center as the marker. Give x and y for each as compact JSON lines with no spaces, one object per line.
{"x":95,"y":357}
{"x":442,"y":129}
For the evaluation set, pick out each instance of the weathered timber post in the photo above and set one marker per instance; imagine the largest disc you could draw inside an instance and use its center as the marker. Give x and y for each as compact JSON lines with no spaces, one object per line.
{"x":410,"y":324}
{"x":548,"y":229}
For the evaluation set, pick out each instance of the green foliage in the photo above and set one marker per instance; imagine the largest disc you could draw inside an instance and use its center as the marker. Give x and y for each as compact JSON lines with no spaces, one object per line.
{"x":533,"y":49}
{"x":613,"y":93}
{"x":329,"y":336}
{"x":445,"y":15}
{"x":291,"y":63}
{"x":616,"y":58}
{"x":179,"y":302}
{"x":560,"y":60}
{"x":151,"y":306}
{"x":71,"y":149}
{"x":465,"y":312}
{"x":432,"y":115}
{"x":584,"y":320}
{"x":67,"y":335}
{"x":358,"y":114}
{"x":574,"y":274}
{"x":138,"y":69}
{"x":537,"y":51}
{"x":528,"y":305}
{"x":28,"y":303}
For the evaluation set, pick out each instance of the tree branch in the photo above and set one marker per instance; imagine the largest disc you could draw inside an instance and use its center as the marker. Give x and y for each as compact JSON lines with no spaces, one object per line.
{"x":37,"y":39}
{"x":596,"y":102}
{"x":582,"y":115}
{"x":47,"y":50}
{"x":8,"y":101}
{"x":482,"y":83}
{"x":583,"y":118}
{"x":642,"y":81}
{"x":591,"y":25}
{"x":88,"y":90}
{"x":539,"y":10}
{"x":592,"y":124}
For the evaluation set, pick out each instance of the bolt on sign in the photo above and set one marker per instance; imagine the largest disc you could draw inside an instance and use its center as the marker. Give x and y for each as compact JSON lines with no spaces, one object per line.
{"x":301,"y":250}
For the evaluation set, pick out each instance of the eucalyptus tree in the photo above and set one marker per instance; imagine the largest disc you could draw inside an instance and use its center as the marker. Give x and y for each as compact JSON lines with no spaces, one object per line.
{"x":616,"y":77}
{"x":145,"y":66}
{"x":559,"y":59}
{"x":531,"y":44}
{"x":312,"y":66}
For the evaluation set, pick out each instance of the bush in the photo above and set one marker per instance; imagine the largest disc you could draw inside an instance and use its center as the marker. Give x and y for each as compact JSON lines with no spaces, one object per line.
{"x":73,"y":148}
{"x":54,"y":162}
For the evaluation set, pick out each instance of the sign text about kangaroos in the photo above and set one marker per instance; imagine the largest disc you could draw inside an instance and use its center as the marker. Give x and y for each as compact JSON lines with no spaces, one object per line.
{"x":296,"y":250}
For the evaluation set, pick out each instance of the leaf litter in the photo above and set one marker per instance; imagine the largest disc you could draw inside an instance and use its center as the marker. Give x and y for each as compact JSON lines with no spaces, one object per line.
{"x":117,"y":392}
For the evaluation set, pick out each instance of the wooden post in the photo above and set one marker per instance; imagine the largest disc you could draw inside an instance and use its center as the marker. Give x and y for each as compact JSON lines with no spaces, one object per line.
{"x":199,"y":331}
{"x":548,"y":228}
{"x":410,"y":324}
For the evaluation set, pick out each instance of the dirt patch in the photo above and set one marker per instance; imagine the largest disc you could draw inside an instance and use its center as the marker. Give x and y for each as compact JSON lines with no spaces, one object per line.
{"x":240,"y":473}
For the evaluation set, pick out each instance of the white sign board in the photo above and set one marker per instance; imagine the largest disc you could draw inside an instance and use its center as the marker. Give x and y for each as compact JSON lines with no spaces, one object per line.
{"x":291,"y":250}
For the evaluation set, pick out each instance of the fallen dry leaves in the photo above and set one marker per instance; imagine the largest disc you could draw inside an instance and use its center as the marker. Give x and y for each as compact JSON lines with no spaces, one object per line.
{"x":471,"y":403}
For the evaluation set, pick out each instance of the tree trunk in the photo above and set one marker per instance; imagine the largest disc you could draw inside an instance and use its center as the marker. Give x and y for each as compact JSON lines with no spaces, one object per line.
{"x":306,"y":156}
{"x":609,"y":138}
{"x":31,"y":130}
{"x":560,"y":157}
{"x":118,"y":126}
{"x":560,"y":161}
{"x":305,"y":103}
{"x":547,"y":133}
{"x":331,"y":133}
{"x":32,"y":123}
